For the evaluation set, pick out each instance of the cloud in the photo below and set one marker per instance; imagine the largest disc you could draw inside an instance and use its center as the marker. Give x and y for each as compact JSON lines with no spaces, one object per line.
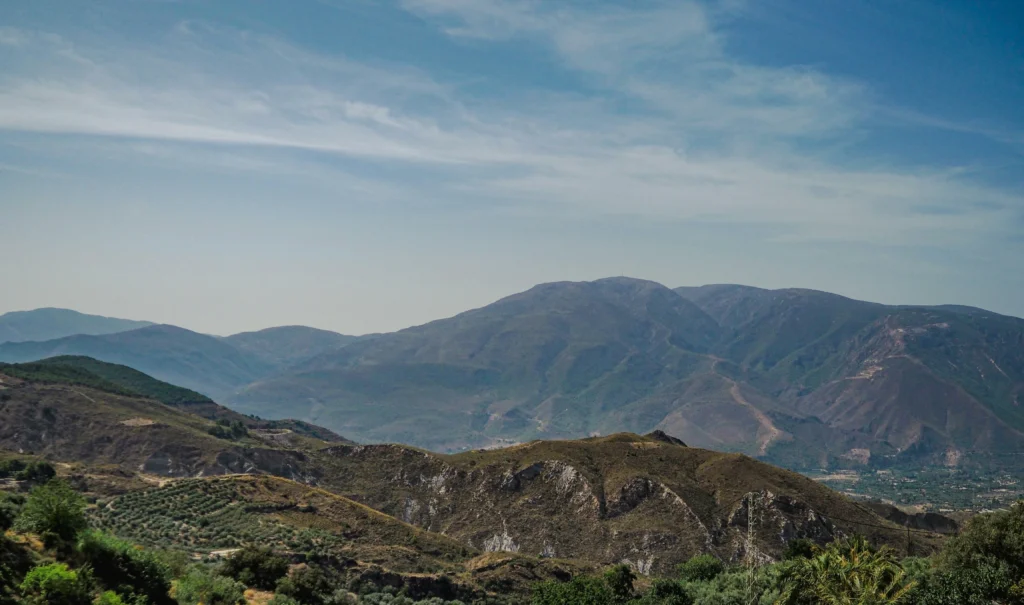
{"x":709,"y":139}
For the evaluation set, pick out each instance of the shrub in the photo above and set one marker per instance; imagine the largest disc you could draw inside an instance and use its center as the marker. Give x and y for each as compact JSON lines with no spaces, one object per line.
{"x":579,"y":591}
{"x":8,"y":512}
{"x":312,"y":585}
{"x":121,"y":566}
{"x":55,"y":584}
{"x":199,"y":585}
{"x":36,"y":472}
{"x":701,"y":568}
{"x":54,"y":511}
{"x":257,"y":567}
{"x":665,"y":592}
{"x":109,"y":598}
{"x":620,"y":581}
{"x":796,"y":549}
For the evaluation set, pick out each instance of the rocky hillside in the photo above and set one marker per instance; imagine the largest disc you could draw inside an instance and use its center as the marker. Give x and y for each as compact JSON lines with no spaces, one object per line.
{"x":648,"y":500}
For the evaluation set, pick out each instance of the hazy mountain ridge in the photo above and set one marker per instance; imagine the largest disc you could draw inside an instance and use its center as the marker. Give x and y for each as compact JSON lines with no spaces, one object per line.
{"x":286,"y":346}
{"x":52,"y":323}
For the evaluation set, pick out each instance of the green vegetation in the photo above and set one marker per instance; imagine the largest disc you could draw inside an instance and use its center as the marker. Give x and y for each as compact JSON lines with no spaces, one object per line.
{"x":109,"y":377}
{"x":129,"y":379}
{"x":226,"y":429}
{"x":55,"y":584}
{"x":55,"y":512}
{"x":206,"y":515}
{"x":130,"y":571}
{"x":34,"y":471}
{"x":847,"y":571}
{"x":201,"y":586}
{"x":63,"y":374}
{"x":256,"y":566}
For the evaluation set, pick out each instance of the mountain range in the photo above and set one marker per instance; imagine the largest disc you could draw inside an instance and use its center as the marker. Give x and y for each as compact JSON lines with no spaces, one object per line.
{"x":797,"y":377}
{"x":649,"y":500}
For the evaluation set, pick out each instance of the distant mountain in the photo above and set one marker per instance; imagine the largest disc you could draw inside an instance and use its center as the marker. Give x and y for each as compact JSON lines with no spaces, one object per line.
{"x":288,"y":345}
{"x":563,"y":359}
{"x":800,"y":377}
{"x":49,"y":324}
{"x":196,"y":361}
{"x":920,"y":380}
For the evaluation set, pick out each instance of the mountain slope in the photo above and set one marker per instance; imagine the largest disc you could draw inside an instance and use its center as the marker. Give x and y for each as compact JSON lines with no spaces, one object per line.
{"x":938,"y":380}
{"x":288,"y":345}
{"x":76,"y":372}
{"x":624,"y":497}
{"x":49,"y":324}
{"x":175,"y":355}
{"x":559,"y":359}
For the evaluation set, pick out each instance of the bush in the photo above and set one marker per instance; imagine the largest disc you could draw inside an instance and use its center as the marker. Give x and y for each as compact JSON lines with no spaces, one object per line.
{"x":9,"y":510}
{"x":701,"y":568}
{"x":54,"y":511}
{"x":580,"y":591}
{"x":200,"y":586}
{"x":280,"y":599}
{"x":120,"y":566}
{"x":55,"y":584}
{"x":36,"y":472}
{"x":9,"y":468}
{"x":798,"y":549}
{"x":620,"y":581}
{"x":257,"y":567}
{"x":666,"y":592}
{"x":312,"y":585}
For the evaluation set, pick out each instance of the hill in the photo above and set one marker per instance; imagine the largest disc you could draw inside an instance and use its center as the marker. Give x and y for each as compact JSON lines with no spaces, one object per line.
{"x":624,"y":497}
{"x":66,"y":413}
{"x":286,"y":346}
{"x":49,"y":324}
{"x":195,"y":361}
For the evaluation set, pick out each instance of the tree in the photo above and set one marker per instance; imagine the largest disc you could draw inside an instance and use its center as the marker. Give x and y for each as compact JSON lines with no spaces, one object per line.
{"x":55,"y":584}
{"x":54,"y":511}
{"x":257,"y":567}
{"x":620,"y":580}
{"x":847,"y":572}
{"x":984,"y":564}
{"x":8,"y":512}
{"x":701,"y":568}
{"x":665,"y":592}
{"x":36,"y":472}
{"x":120,"y":566}
{"x":579,"y":591}
{"x":801,"y":548}
{"x":313,"y":584}
{"x":199,"y":586}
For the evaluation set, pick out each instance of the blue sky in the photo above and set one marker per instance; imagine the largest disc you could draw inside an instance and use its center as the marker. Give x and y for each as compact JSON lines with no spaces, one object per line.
{"x":364,"y":166}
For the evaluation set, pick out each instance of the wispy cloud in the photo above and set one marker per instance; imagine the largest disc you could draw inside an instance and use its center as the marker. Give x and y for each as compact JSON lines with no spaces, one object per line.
{"x":711,"y":138}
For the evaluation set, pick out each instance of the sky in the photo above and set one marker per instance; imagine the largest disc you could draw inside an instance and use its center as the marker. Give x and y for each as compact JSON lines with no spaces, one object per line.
{"x":367,"y":165}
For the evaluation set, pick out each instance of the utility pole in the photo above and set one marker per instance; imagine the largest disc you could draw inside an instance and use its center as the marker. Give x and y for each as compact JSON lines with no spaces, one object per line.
{"x":751,"y":552}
